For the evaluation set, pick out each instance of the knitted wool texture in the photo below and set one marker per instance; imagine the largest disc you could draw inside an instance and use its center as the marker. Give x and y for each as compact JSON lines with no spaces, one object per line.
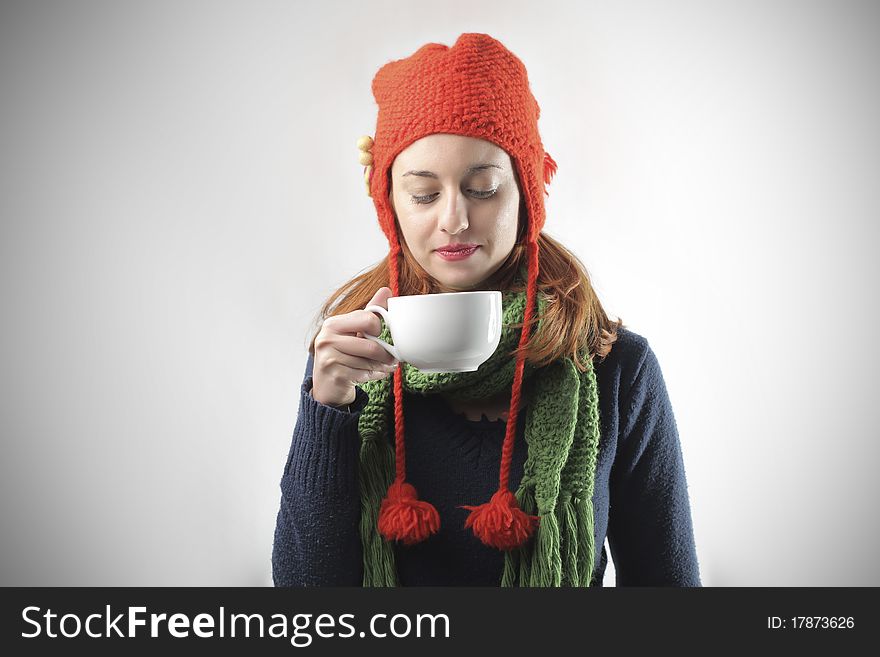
{"x":478,"y":88}
{"x":562,"y":434}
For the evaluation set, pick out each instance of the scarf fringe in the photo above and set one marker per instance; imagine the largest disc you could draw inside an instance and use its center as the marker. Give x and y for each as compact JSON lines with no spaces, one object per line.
{"x":569,"y":547}
{"x":513,"y":559}
{"x":563,"y":550}
{"x":547,"y":566}
{"x":376,"y":467}
{"x":518,"y":562}
{"x":586,"y":540}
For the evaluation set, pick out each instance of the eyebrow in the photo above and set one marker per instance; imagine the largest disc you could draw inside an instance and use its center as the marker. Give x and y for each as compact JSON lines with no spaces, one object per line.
{"x":473,"y":169}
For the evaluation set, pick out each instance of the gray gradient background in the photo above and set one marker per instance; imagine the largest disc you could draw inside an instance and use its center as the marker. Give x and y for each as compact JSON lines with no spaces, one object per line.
{"x":180,"y":192}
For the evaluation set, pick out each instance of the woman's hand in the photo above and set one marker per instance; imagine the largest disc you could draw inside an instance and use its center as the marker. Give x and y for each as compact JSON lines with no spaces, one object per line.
{"x":344,"y":358}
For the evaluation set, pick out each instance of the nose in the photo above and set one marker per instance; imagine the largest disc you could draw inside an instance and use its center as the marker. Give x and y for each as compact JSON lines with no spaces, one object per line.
{"x":453,"y":214}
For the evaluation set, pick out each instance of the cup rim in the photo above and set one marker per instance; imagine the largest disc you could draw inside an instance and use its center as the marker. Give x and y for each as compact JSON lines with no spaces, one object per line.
{"x":445,"y":294}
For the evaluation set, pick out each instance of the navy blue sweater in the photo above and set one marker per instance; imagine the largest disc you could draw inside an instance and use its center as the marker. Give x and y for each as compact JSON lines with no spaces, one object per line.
{"x":640,"y":499}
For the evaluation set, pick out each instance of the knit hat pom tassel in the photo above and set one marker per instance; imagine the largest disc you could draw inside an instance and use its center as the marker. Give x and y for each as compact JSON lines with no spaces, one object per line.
{"x":404,"y":517}
{"x":500,"y":523}
{"x":549,"y":170}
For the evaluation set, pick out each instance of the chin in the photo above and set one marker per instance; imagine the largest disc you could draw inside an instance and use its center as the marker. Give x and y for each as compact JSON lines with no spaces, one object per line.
{"x":459,"y":283}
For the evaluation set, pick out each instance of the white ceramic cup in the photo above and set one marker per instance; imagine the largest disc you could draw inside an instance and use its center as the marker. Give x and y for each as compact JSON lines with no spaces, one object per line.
{"x":446,"y":332}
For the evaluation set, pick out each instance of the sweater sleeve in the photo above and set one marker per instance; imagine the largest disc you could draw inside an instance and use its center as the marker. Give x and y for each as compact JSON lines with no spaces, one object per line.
{"x":317,"y":541}
{"x":650,"y":531}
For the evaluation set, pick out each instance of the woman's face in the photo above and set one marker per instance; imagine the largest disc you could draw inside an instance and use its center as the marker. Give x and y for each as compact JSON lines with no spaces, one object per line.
{"x":451,"y":189}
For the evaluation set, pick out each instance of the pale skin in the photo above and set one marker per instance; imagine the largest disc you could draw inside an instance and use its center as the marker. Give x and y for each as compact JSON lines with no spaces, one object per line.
{"x":444,"y":189}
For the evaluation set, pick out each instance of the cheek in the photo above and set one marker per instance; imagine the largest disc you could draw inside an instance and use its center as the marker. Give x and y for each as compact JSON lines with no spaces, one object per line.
{"x":416,"y":232}
{"x":504,"y":228}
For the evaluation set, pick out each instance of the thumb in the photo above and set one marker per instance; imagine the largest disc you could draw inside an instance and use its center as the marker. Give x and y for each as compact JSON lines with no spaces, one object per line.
{"x":381,"y":297}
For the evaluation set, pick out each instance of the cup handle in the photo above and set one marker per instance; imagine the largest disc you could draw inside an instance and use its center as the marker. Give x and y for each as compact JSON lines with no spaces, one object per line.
{"x":391,"y":349}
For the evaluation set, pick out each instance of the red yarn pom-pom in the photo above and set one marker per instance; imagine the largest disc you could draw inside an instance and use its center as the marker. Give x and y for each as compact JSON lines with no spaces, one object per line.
{"x":500,"y":523}
{"x":404,"y":517}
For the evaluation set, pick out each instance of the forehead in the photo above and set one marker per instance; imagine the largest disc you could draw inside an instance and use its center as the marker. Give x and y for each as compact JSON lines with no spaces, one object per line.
{"x":446,"y":153}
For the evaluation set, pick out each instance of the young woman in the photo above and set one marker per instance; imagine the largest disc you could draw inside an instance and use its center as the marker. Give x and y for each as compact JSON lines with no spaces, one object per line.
{"x":515,"y":474}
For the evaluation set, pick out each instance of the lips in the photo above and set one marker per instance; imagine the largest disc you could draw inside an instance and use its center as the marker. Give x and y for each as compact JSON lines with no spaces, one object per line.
{"x":454,"y":248}
{"x":460,"y":254}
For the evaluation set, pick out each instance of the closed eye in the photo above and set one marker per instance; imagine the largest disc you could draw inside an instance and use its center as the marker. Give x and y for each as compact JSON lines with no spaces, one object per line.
{"x":476,"y":193}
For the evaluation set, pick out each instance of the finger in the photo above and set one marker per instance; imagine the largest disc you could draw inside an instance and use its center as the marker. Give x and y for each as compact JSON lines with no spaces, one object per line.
{"x":361,"y":369}
{"x":357,"y":321}
{"x":366,"y":350}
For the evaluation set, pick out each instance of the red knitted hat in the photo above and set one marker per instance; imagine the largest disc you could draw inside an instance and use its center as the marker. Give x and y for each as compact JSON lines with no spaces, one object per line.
{"x":476,"y":88}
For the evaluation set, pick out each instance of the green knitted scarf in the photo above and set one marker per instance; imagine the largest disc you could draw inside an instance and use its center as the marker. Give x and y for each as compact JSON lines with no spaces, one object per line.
{"x":562,"y":434}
